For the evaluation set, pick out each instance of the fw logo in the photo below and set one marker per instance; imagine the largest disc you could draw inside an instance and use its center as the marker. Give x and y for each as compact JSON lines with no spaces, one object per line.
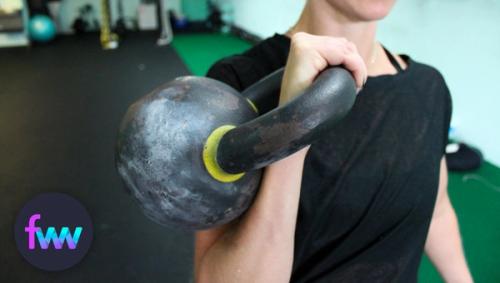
{"x":53,"y":231}
{"x":51,"y":235}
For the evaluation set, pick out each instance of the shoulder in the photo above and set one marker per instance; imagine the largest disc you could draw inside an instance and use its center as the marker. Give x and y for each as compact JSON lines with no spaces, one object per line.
{"x":430,"y":92}
{"x":242,"y":70}
{"x":427,"y":76}
{"x":427,"y":80}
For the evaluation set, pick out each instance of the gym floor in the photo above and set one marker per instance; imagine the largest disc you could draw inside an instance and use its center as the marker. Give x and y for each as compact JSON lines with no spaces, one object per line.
{"x":60,"y":106}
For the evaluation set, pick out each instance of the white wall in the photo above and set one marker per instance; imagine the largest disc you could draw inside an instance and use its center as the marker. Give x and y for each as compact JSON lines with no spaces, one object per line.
{"x":460,"y":38}
{"x":265,"y":17}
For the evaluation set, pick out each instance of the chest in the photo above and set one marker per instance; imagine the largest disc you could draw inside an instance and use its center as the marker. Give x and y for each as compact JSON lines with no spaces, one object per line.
{"x":380,"y":162}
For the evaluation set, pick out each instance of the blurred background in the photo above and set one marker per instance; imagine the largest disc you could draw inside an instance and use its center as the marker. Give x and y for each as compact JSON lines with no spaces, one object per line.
{"x":69,"y":69}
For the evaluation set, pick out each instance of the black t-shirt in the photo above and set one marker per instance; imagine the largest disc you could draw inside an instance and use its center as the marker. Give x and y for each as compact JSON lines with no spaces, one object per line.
{"x":369,"y":186}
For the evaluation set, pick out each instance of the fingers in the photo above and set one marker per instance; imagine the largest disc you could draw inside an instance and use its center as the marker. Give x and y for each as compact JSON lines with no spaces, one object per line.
{"x":326,"y":50}
{"x":311,"y":54}
{"x":340,"y":51}
{"x":356,"y":65}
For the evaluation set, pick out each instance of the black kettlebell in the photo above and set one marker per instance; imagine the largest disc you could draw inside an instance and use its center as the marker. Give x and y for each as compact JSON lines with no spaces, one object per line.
{"x":189,"y":150}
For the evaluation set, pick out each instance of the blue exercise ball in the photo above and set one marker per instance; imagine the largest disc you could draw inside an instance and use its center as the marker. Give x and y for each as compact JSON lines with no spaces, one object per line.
{"x":41,"y":28}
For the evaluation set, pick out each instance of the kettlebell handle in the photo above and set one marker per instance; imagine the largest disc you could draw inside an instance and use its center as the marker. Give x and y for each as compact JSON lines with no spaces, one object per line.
{"x":263,"y":93}
{"x":286,"y":129}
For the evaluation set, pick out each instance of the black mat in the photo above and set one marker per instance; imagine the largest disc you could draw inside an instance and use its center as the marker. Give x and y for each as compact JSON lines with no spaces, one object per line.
{"x":60,"y":106}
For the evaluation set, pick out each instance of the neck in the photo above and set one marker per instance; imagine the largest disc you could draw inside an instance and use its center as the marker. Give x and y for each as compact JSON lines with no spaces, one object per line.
{"x":320,"y":18}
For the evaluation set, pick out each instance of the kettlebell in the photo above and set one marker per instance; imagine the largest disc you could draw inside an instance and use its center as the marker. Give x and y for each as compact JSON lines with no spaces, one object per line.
{"x":189,"y":152}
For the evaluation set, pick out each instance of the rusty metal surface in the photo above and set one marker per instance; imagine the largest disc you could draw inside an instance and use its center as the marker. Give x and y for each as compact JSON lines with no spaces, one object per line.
{"x":159,"y":153}
{"x":263,"y":92}
{"x":289,"y":128}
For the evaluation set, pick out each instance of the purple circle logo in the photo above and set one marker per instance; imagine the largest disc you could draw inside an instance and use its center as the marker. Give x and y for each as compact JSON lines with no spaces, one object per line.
{"x":53,"y":231}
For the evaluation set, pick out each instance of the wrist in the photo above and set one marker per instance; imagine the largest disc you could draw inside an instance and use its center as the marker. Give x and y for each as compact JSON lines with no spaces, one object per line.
{"x":298,"y":156}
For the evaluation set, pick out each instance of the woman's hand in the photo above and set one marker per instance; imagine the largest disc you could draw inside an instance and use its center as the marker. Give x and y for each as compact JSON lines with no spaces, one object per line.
{"x":311,"y":54}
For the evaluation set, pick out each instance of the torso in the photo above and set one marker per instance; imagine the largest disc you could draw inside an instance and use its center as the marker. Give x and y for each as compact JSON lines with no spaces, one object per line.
{"x":369,"y":186}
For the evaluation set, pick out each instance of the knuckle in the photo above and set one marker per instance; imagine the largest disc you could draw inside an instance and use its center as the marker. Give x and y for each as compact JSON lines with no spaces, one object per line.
{"x":333,"y":41}
{"x":342,"y":40}
{"x":352,"y":46}
{"x":318,"y":62}
{"x":299,"y":37}
{"x":342,"y":44}
{"x":299,"y":44}
{"x":336,"y":46}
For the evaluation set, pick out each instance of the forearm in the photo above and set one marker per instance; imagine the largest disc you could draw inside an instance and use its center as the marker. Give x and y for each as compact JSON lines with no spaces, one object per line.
{"x":259,"y":248}
{"x":444,"y":246}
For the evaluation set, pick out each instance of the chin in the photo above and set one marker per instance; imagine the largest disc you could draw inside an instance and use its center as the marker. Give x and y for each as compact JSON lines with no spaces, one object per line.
{"x":362,"y":10}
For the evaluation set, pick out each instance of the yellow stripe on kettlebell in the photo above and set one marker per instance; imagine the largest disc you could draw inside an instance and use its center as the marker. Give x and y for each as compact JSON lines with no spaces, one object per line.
{"x":253,"y":106}
{"x":210,"y":156}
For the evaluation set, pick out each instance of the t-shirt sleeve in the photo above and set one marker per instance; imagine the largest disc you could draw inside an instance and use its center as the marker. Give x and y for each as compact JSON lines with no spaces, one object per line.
{"x":242,"y":71}
{"x":224,"y":71}
{"x":238,"y":71}
{"x":448,"y":109}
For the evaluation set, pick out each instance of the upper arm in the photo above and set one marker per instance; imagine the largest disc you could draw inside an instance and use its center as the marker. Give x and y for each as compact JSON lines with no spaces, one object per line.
{"x":205,"y":239}
{"x":442,"y":199}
